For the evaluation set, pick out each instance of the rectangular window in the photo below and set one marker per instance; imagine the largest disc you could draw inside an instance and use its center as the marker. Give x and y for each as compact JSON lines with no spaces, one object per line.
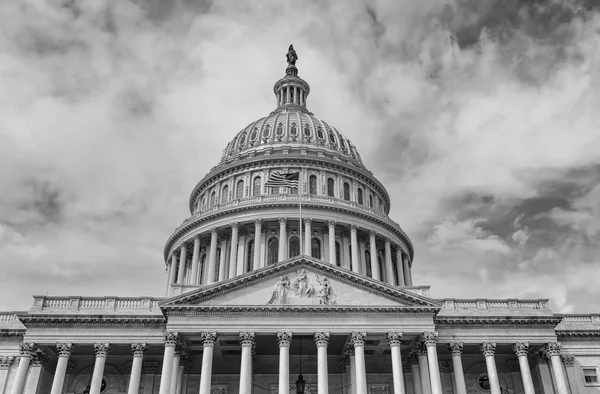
{"x":590,"y":376}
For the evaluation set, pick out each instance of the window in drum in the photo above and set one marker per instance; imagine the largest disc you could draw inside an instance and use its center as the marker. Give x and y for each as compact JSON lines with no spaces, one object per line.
{"x":312,"y":183}
{"x":590,"y":375}
{"x":294,"y":247}
{"x":239,"y":191}
{"x":346,"y":191}
{"x":330,"y":187}
{"x":225,"y":194}
{"x":315,"y":248}
{"x":370,"y":201}
{"x":306,"y":130}
{"x":256,"y":187}
{"x":250,"y":256}
{"x":360,"y":196}
{"x":273,"y":251}
{"x":213,"y":198}
{"x":320,"y":133}
{"x":338,"y":254}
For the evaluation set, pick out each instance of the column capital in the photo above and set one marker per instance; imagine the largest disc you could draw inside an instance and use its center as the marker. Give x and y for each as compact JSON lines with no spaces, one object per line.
{"x":284,"y":339}
{"x":234,"y":224}
{"x":349,"y":351}
{"x":331,"y":223}
{"x":101,"y":349}
{"x":521,"y":348}
{"x":429,"y":338}
{"x":6,"y":361}
{"x":64,"y":349}
{"x":180,"y":351}
{"x":208,"y":339}
{"x":258,"y":222}
{"x":421,"y":348}
{"x":197,"y":240}
{"x":456,"y":348}
{"x":307,"y":220}
{"x":39,"y":358}
{"x":413,"y":358}
{"x":321,"y":339}
{"x":182,"y":248}
{"x":387,"y":241}
{"x":394,"y":338}
{"x":171,"y":338}
{"x":372,"y":234}
{"x":138,"y":349}
{"x":247,"y":339}
{"x":358,"y":338}
{"x":213,"y":230}
{"x":282,"y":221}
{"x":488,"y":348}
{"x":27,"y":348}
{"x":568,"y":360}
{"x":553,"y":348}
{"x":353,"y":227}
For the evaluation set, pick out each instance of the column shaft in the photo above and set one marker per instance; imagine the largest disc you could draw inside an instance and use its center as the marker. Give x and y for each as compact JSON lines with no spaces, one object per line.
{"x":136,"y":374}
{"x":59,"y":374}
{"x":401,"y":281}
{"x":373,"y":254}
{"x":416,"y":379}
{"x":234,"y":250}
{"x":19,"y":382}
{"x":488,"y":349}
{"x":257,"y":234}
{"x":281,"y":253}
{"x":307,"y":237}
{"x":424,"y":373}
{"x":284,"y":368}
{"x":434,"y":370}
{"x":389,"y":269}
{"x":246,"y":370}
{"x":169,"y":266}
{"x":397,"y":370}
{"x":321,"y":340}
{"x":173,"y":273}
{"x":212,"y":258}
{"x":332,"y":259}
{"x":407,"y":273}
{"x":526,"y":375}
{"x":222,"y":268}
{"x":353,"y":373}
{"x":207,"y":360}
{"x":98,"y":373}
{"x":167,"y":365}
{"x":195,"y":256}
{"x":182,"y":261}
{"x":354,"y":246}
{"x":559,"y":374}
{"x":174,"y":373}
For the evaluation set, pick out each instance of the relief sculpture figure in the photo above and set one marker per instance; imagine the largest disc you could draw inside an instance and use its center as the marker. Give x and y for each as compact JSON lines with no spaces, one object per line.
{"x":280,"y":293}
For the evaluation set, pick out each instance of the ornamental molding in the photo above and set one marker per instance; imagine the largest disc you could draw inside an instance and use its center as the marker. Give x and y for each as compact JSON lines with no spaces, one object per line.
{"x":64,"y":349}
{"x":247,"y":339}
{"x":77,"y":320}
{"x":150,"y":367}
{"x":455,"y":348}
{"x":553,"y":349}
{"x":521,"y":348}
{"x":6,"y":361}
{"x":575,"y":334}
{"x":459,"y":321}
{"x":488,"y":348}
{"x":394,"y":338}
{"x":27,"y":348}
{"x":208,"y":339}
{"x":171,"y":338}
{"x":101,"y":349}
{"x":358,"y":339}
{"x":321,"y":339}
{"x":138,"y":349}
{"x":429,"y":338}
{"x":284,"y":339}
{"x":568,"y":360}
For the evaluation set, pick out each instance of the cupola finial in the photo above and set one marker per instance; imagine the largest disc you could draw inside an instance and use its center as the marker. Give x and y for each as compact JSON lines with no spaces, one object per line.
{"x":291,"y":57}
{"x":291,"y":90}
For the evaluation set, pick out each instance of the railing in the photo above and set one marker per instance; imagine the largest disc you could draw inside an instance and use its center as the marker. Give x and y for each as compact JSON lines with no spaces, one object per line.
{"x":45,"y":303}
{"x":495,"y":305}
{"x":581,"y":319}
{"x":8,"y":318}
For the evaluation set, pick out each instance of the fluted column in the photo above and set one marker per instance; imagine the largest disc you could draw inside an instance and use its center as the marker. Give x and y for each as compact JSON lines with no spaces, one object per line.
{"x":349,"y":352}
{"x":212,"y":257}
{"x":321,"y":340}
{"x":222,"y":268}
{"x":423,"y":368}
{"x":553,"y":351}
{"x":430,"y":340}
{"x":137,"y":350}
{"x":195,"y":262}
{"x":394,"y":339}
{"x":101,"y":350}
{"x":354,"y":245}
{"x":257,"y":234}
{"x":489,"y":349}
{"x":331,"y":229}
{"x":171,"y":339}
{"x":208,"y":343}
{"x":64,"y":352}
{"x":168,"y":280}
{"x":401,"y":281}
{"x":413,"y":360}
{"x":173,"y":273}
{"x":284,"y":339}
{"x":358,"y":341}
{"x":522,"y":350}
{"x":175,"y":369}
{"x":5,"y":363}
{"x":234,"y":250}
{"x":407,"y":272}
{"x":26,"y":352}
{"x":282,"y":252}
{"x":307,"y":236}
{"x":247,"y":342}
{"x":459,"y":375}
{"x":389,"y":269}
{"x":182,"y":259}
{"x":373,"y":253}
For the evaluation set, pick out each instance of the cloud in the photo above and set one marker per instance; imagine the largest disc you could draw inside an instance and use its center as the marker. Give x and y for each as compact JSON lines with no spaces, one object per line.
{"x":467,"y":235}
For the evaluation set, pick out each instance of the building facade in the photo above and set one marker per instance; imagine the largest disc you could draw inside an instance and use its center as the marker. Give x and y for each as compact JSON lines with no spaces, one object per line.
{"x":302,"y":288}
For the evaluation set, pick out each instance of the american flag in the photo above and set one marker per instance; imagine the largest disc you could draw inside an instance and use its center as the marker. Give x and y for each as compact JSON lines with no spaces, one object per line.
{"x":286,"y":180}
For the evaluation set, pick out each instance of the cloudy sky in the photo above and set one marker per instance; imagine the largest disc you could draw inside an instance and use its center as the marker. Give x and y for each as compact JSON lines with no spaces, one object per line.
{"x":481,"y":117}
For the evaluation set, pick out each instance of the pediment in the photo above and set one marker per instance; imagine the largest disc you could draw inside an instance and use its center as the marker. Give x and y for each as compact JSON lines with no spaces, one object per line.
{"x":302,"y":282}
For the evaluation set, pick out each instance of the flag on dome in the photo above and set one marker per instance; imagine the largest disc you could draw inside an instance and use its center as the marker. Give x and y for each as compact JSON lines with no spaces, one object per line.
{"x":286,"y":180}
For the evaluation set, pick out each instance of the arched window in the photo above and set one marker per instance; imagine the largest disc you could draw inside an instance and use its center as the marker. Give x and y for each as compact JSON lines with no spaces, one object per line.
{"x":273,"y":251}
{"x":315,"y":248}
{"x":338,"y":254}
{"x":331,"y":137}
{"x":346,"y":191}
{"x":294,"y":247}
{"x":368,"y":264}
{"x":330,"y":186}
{"x":360,"y":196}
{"x":239,"y":190}
{"x":293,"y":129}
{"x":267,"y":131}
{"x":320,"y":133}
{"x":250,"y":256}
{"x":225,"y":194}
{"x":306,"y":130}
{"x":370,"y":201}
{"x":256,"y":187}
{"x":312,"y":184}
{"x":213,"y":198}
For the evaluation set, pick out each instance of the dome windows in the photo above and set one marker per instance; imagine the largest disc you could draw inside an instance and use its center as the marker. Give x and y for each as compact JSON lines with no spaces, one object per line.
{"x":320,"y":134}
{"x":360,"y":196}
{"x":266,"y":132}
{"x":254,"y":134}
{"x":279,"y":129}
{"x":346,"y":191}
{"x":294,"y":129}
{"x":306,"y":130}
{"x":330,"y":187}
{"x":312,"y":184}
{"x":331,"y":137}
{"x":256,"y":186}
{"x":239,"y":189}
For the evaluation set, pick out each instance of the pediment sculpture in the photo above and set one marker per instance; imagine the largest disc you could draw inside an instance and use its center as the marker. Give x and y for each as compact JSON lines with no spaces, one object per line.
{"x":287,"y":291}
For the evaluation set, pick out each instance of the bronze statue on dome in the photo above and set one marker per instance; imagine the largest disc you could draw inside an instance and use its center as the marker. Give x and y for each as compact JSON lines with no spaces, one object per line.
{"x":291,"y":56}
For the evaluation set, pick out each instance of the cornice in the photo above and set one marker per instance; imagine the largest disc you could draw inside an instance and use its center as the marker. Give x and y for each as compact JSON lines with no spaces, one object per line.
{"x":471,"y":321}
{"x":11,"y":332}
{"x":573,"y":334}
{"x":298,"y":310}
{"x":56,"y":320}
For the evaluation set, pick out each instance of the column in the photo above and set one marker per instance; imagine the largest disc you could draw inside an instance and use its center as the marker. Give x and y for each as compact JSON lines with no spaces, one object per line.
{"x":212,"y":257}
{"x":388,"y":263}
{"x":175,"y":370}
{"x":222,"y":268}
{"x":430,"y":340}
{"x":5,"y":363}
{"x":150,"y":369}
{"x":179,"y":385}
{"x":284,"y":339}
{"x":307,"y":237}
{"x":137,"y":350}
{"x":399,"y":267}
{"x":373,"y":254}
{"x":394,"y":342}
{"x":33,"y":380}
{"x":459,"y":375}
{"x":569,"y":362}
{"x":413,"y":360}
{"x":101,"y":351}
{"x":488,"y":349}
{"x":321,"y":340}
{"x":282,"y":252}
{"x":423,"y":368}
{"x":247,"y":342}
{"x":169,"y":265}
{"x":354,"y":245}
{"x":182,"y":258}
{"x":331,"y":229}
{"x":234,"y":250}
{"x":358,"y":341}
{"x":407,"y":273}
{"x":257,"y":235}
{"x":346,"y":251}
{"x":522,"y":350}
{"x":208,"y":343}
{"x":171,"y":339}
{"x":195,"y":256}
{"x":352,"y":373}
{"x":64,"y":352}
{"x":173,"y":273}
{"x":553,"y":351}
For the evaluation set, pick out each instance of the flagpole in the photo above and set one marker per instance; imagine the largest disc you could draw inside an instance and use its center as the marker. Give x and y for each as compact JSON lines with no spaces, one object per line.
{"x":300,"y":204}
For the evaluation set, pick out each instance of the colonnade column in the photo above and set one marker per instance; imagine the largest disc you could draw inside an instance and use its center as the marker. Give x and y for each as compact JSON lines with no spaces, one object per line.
{"x":169,"y":266}
{"x":522,"y":350}
{"x":64,"y":351}
{"x":171,"y":339}
{"x":182,"y":258}
{"x":407,"y":273}
{"x":358,"y":341}
{"x":413,"y":360}
{"x":137,"y":350}
{"x":373,"y":253}
{"x":401,"y":281}
{"x":195,"y":257}
{"x":101,"y":351}
{"x":332,"y":259}
{"x":222,"y":271}
{"x":553,"y":351}
{"x":26,"y":351}
{"x":284,"y":339}
{"x":349,"y":352}
{"x":354,"y":248}
{"x":321,"y":340}
{"x":423,"y":368}
{"x":212,"y":257}
{"x":234,"y":250}
{"x":394,"y":342}
{"x":307,"y":237}
{"x":173,"y":273}
{"x":175,"y":370}
{"x":247,"y":342}
{"x":281,"y":255}
{"x":459,"y":375}
{"x":257,"y":235}
{"x":208,"y":342}
{"x":430,"y":340}
{"x":489,"y":349}
{"x":388,"y":263}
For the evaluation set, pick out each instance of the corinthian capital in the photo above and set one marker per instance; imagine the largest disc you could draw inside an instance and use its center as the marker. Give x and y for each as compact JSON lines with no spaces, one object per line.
{"x":247,"y":339}
{"x":282,"y":221}
{"x":429,"y":338}
{"x":331,"y":223}
{"x":234,"y":224}
{"x":307,"y":220}
{"x":568,"y":360}
{"x":39,"y":358}
{"x":27,"y":348}
{"x":421,"y":348}
{"x":101,"y":349}
{"x":284,"y":339}
{"x":208,"y":338}
{"x":138,"y":349}
{"x":321,"y":339}
{"x":6,"y":361}
{"x":64,"y":349}
{"x":456,"y":348}
{"x":171,"y":338}
{"x":553,"y":349}
{"x":521,"y":348}
{"x":394,"y":338}
{"x":488,"y":348}
{"x":358,"y":338}
{"x":257,"y":222}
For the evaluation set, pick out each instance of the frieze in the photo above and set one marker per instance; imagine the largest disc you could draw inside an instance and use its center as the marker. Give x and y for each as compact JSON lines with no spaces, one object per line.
{"x":300,"y":288}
